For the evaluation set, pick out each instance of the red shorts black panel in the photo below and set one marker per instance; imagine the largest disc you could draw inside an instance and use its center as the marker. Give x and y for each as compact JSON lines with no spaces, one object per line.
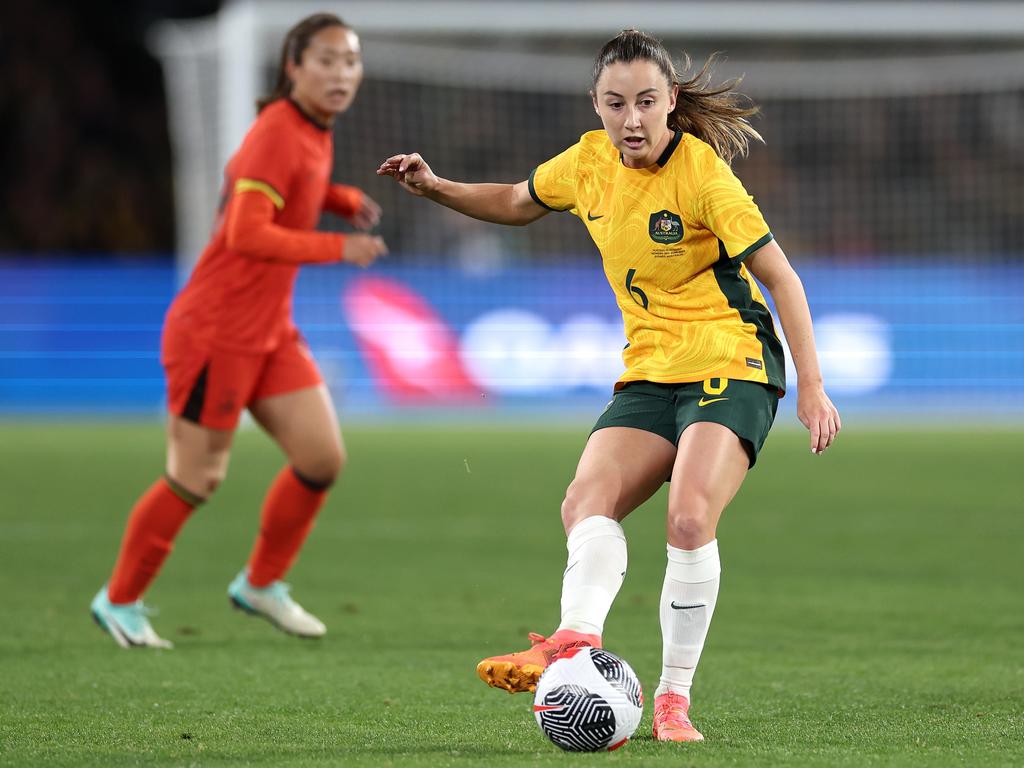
{"x":212,"y":387}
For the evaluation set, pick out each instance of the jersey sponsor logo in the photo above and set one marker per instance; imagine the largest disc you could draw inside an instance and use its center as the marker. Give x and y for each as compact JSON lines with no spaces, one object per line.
{"x":594,"y":218}
{"x":705,"y":401}
{"x":666,"y":227}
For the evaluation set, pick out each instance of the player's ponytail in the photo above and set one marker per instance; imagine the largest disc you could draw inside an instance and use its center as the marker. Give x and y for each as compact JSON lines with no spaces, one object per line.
{"x":295,"y":43}
{"x":715,"y":114}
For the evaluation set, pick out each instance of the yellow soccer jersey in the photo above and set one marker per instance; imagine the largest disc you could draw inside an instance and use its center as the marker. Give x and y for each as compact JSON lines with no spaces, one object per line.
{"x":672,"y":238}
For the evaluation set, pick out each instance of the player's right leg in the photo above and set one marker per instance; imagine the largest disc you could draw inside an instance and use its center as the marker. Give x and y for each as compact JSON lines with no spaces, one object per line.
{"x":203,"y":412}
{"x":621,"y":467}
{"x":197,"y":458}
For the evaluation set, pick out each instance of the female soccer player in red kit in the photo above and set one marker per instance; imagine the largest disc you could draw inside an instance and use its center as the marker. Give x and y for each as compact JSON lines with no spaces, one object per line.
{"x":230,"y":343}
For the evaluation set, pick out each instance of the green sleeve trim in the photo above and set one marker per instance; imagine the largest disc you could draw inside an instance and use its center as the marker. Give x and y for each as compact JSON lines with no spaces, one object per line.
{"x":536,"y":197}
{"x":761,"y":243}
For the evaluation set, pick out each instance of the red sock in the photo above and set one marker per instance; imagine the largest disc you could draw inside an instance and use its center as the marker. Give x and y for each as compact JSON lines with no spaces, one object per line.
{"x":148,"y":539}
{"x":288,"y":514}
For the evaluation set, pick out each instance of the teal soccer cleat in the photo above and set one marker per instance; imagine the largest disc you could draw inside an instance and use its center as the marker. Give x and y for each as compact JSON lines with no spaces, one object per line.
{"x":127,"y":624}
{"x":275,"y":605}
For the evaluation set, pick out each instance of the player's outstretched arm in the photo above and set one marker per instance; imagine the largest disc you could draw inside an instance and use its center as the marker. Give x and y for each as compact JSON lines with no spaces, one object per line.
{"x":813,"y":407}
{"x":497,"y":203}
{"x":250,"y":231}
{"x":354,"y":205}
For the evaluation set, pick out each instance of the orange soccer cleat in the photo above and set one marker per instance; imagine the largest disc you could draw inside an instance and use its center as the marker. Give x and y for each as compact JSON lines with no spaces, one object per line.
{"x":671,"y":721}
{"x":519,"y":672}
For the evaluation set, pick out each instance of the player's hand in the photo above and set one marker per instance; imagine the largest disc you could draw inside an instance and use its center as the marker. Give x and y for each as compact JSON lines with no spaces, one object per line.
{"x":411,"y":171}
{"x":368,"y":214}
{"x":819,"y":415}
{"x":363,"y":250}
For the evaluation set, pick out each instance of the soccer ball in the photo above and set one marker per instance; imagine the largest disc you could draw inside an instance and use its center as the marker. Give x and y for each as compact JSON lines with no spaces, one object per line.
{"x":588,"y":700}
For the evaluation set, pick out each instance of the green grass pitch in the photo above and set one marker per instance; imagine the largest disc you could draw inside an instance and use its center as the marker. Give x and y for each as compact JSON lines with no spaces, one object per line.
{"x":871,"y":613}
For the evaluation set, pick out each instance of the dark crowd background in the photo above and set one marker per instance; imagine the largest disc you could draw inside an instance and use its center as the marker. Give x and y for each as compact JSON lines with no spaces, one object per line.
{"x":87,"y":164}
{"x":83,"y":127}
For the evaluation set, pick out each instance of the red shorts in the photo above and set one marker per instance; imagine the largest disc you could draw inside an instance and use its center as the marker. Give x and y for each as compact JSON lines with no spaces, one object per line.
{"x":211,"y":387}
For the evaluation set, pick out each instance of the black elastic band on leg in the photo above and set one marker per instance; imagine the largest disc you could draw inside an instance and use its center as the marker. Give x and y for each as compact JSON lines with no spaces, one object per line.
{"x":313,"y":485}
{"x":183,"y":493}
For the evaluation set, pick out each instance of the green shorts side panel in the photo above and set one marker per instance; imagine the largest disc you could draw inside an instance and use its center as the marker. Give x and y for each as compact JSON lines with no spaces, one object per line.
{"x":642,"y":405}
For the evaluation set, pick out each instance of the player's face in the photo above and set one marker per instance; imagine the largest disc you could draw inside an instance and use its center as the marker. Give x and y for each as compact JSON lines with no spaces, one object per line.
{"x":326,"y":81}
{"x":633,"y":100}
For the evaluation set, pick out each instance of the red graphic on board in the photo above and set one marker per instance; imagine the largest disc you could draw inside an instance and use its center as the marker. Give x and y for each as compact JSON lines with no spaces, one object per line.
{"x":411,"y":352}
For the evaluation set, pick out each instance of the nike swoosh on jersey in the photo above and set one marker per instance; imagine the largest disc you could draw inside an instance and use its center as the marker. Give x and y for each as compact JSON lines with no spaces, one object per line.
{"x":594,"y":218}
{"x":685,"y":607}
{"x":702,"y":402}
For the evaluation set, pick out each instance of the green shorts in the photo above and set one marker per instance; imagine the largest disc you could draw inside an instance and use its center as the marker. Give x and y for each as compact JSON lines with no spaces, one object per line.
{"x":745,"y":407}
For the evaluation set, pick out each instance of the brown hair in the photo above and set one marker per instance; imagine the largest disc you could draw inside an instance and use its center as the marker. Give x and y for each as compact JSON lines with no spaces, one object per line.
{"x":713,"y":113}
{"x":295,"y":43}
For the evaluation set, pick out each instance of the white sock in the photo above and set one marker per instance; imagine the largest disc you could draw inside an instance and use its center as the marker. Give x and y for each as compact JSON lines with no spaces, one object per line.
{"x":593,"y":574}
{"x":688,"y":599}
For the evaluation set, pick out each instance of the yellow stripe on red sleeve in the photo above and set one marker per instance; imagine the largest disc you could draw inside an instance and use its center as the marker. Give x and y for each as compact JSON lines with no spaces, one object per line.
{"x":255,"y":185}
{"x":250,"y":231}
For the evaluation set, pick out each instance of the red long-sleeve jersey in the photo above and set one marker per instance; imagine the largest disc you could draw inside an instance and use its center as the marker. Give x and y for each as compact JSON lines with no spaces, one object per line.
{"x":239,"y":296}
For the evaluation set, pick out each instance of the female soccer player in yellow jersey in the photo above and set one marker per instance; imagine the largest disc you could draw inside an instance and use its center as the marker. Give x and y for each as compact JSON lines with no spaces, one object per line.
{"x":679,"y":239}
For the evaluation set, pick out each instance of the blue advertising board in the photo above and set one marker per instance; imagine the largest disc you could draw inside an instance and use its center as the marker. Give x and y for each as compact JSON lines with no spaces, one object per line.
{"x":904,"y":339}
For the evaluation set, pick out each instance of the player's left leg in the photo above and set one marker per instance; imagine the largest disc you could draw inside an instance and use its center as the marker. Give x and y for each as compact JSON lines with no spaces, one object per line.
{"x":294,"y":406}
{"x":305,"y":426}
{"x":710,"y":466}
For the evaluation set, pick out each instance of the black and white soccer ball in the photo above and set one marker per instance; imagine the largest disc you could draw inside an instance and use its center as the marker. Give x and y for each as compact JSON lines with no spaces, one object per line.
{"x":588,"y":700}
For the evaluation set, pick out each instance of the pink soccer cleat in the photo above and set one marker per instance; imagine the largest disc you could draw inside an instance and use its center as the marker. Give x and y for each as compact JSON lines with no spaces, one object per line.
{"x":671,"y":721}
